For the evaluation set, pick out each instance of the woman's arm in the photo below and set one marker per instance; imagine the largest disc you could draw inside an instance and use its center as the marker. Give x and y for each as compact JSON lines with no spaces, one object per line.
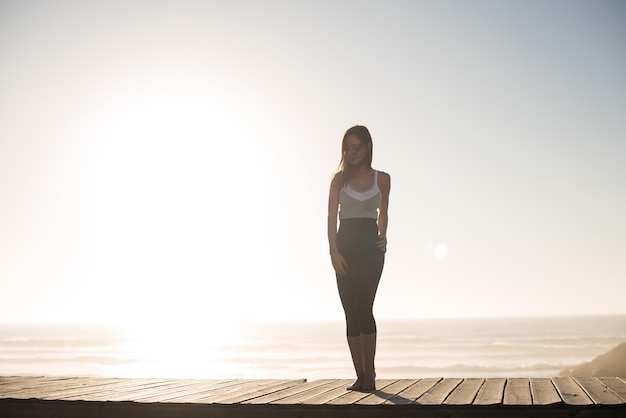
{"x":384,"y":184}
{"x":339,"y":264}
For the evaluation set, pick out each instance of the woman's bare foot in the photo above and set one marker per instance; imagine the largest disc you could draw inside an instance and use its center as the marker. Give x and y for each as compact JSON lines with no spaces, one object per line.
{"x":358,"y":383}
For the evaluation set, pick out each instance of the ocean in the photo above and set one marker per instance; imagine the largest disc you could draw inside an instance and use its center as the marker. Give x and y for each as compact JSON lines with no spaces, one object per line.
{"x":506,"y":347}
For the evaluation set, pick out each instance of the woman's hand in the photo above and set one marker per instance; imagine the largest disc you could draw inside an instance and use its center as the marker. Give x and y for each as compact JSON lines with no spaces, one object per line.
{"x":382,"y":243}
{"x":339,"y":263}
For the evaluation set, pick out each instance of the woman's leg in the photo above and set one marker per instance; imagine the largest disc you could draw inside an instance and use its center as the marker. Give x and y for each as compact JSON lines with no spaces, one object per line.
{"x":357,"y":297}
{"x":356,"y":351}
{"x":357,"y":291}
{"x":347,"y":294}
{"x":368,"y":349}
{"x":370,"y":277}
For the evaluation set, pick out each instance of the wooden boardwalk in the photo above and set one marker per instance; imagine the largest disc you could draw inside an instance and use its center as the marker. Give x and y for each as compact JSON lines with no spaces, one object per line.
{"x":431,"y":397}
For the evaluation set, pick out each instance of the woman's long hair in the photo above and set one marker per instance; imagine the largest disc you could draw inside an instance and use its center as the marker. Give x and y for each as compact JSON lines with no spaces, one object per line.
{"x":345,"y":171}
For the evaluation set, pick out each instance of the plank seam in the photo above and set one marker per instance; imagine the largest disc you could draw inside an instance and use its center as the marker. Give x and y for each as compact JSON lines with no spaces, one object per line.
{"x":506,"y":383}
{"x":452,"y":391}
{"x":612,"y":391}
{"x":558,"y":390}
{"x":476,"y":394}
{"x":585,"y":390}
{"x":532,"y":391}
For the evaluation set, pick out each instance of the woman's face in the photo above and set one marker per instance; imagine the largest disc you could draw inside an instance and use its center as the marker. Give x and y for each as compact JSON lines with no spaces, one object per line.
{"x":355,"y":151}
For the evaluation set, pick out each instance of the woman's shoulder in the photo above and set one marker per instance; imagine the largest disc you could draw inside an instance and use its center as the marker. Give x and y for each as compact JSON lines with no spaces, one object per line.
{"x":383,"y":175}
{"x":384,"y":180}
{"x":337,"y":180}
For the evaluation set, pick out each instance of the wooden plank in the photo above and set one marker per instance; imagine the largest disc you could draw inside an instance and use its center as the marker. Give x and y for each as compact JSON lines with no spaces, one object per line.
{"x":251,"y":390}
{"x":353,"y":396}
{"x":328,"y":395}
{"x":465,"y":393}
{"x":132,"y":393}
{"x":80,"y":388}
{"x":41,"y":388}
{"x":598,"y":392}
{"x":543,"y":392}
{"x":616,"y":385}
{"x":103,"y":392}
{"x":260,"y":391}
{"x":16,"y":385}
{"x":175,"y":391}
{"x":571,"y":392}
{"x":347,"y":398}
{"x":221,"y":396}
{"x":49,"y":387}
{"x":22,"y":385}
{"x":413,"y":392}
{"x":206,"y":391}
{"x":381,"y":395}
{"x":491,"y":392}
{"x":294,"y":391}
{"x":517,"y":392}
{"x":122,"y":390}
{"x":6,"y":381}
{"x":179,"y":394}
{"x":438,"y":393}
{"x":229,"y":389}
{"x":318,"y":394}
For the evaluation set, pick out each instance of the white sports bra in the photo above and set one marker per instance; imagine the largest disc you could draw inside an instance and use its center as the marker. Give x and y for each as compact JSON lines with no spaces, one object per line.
{"x":360,"y":204}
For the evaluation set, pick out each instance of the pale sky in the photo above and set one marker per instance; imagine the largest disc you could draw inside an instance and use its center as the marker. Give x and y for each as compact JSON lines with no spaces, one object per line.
{"x":170,"y":160}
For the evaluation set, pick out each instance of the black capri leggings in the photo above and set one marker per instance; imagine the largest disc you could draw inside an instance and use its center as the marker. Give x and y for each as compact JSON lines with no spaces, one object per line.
{"x":356,"y":241}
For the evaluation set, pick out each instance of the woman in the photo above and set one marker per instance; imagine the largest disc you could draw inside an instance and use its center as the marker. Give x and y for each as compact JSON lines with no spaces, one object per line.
{"x":360,"y":196}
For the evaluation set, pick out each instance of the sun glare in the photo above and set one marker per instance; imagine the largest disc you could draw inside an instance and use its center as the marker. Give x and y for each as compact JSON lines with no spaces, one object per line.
{"x":181,"y":349}
{"x":165,"y":188}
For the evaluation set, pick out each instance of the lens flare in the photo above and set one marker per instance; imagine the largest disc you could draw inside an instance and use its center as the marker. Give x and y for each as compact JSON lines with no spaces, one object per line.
{"x":441,"y":250}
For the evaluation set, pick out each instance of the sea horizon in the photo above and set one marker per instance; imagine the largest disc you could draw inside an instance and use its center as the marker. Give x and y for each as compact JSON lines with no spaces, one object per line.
{"x":541,"y":346}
